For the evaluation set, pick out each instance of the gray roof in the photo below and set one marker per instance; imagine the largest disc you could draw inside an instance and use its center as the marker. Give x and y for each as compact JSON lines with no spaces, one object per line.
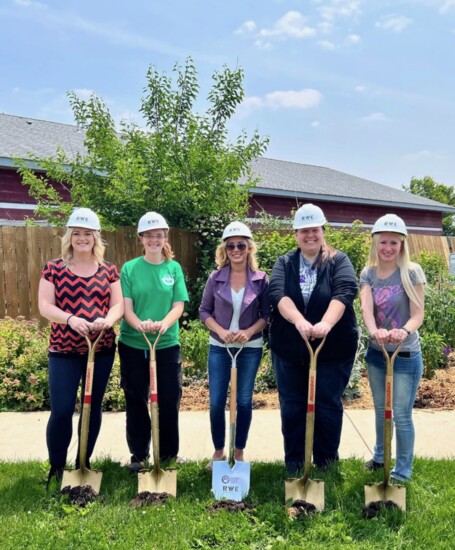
{"x":22,"y":137}
{"x":305,"y":181}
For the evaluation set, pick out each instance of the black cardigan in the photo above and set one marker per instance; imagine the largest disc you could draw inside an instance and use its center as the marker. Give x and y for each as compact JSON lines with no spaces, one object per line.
{"x":336,"y":279}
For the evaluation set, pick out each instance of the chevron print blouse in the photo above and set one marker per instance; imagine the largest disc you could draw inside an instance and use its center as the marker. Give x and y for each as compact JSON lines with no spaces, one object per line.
{"x":86,"y":297}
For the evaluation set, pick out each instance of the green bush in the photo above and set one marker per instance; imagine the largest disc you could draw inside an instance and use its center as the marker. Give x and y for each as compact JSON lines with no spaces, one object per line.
{"x":265,"y":378}
{"x":432,"y":353}
{"x":194,"y":341}
{"x":433,"y":265}
{"x":23,"y":365}
{"x":439,"y":315}
{"x":114,"y":398}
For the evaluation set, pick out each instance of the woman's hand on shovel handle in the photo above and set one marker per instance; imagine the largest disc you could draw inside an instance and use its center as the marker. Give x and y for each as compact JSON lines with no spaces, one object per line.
{"x":81,"y":326}
{"x":304,"y":328}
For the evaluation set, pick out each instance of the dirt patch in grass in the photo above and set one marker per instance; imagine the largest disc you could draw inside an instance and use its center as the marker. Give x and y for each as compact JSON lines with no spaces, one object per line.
{"x":230,"y":506}
{"x":145,"y":498}
{"x":80,"y":495}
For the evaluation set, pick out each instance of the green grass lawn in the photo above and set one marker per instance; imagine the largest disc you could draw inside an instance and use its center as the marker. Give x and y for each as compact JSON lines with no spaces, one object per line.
{"x":29,"y":518}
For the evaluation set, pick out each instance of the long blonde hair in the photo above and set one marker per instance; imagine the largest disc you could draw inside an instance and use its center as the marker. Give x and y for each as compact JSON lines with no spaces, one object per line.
{"x":221,"y":257}
{"x":166,"y":251}
{"x":403,"y":263}
{"x":67,"y":248}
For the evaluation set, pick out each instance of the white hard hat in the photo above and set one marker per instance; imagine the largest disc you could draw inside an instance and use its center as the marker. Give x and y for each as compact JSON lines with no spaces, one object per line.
{"x":236,"y":229}
{"x":309,"y":215}
{"x":151,"y":220}
{"x":390,"y":223}
{"x":84,"y":217}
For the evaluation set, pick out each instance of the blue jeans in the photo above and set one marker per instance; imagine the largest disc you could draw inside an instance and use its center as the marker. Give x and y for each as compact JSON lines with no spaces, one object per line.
{"x":220,"y":363}
{"x":65,"y":374}
{"x":406,"y":377}
{"x":292,"y":382}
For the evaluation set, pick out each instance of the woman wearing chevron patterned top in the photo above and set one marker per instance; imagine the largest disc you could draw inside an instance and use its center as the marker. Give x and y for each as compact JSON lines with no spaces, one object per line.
{"x":80,"y":294}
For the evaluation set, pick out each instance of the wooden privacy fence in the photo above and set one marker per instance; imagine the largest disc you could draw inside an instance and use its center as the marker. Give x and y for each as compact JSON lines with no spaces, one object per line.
{"x":25,"y":250}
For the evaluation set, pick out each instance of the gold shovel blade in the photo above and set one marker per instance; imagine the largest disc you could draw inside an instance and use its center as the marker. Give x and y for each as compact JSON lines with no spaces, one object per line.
{"x":80,"y":478}
{"x":161,"y":481}
{"x":377,"y":491}
{"x":312,"y":492}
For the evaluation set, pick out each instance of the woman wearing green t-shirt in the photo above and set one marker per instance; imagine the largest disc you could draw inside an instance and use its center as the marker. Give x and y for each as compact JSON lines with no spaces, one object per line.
{"x":154,"y":295}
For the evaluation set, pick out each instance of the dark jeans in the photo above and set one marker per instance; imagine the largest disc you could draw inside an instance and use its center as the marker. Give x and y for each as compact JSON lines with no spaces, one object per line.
{"x":292,"y":382}
{"x":135,"y":381}
{"x":65,"y":374}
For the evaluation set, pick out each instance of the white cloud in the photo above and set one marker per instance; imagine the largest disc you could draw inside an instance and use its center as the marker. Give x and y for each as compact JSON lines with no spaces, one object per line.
{"x":340,"y":8}
{"x":327,"y":45}
{"x":315,"y":124}
{"x":291,"y":25}
{"x":360,"y":89}
{"x":425,"y":154}
{"x":395,"y":23}
{"x":246,"y":27}
{"x":353,"y":39}
{"x":301,"y":99}
{"x":447,"y":6}
{"x":375,"y":117}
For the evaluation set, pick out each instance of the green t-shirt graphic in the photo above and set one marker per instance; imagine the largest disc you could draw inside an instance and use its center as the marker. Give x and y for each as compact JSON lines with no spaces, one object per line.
{"x":153,"y":289}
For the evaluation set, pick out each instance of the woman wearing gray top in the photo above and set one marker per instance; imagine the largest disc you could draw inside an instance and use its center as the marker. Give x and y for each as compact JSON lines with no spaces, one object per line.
{"x":392,"y":298}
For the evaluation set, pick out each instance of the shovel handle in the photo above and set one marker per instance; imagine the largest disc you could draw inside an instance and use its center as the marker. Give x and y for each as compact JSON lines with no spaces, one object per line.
{"x":87,"y":399}
{"x":388,"y":408}
{"x":233,"y":401}
{"x":153,"y":399}
{"x":309,"y":429}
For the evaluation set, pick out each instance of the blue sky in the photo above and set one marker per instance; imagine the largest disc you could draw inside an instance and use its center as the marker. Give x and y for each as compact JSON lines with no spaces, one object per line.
{"x":365,"y":87}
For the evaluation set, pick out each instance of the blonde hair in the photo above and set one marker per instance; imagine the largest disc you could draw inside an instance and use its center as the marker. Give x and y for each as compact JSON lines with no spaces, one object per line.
{"x":166,"y":251}
{"x":221,"y":257}
{"x":403,"y":263}
{"x":67,"y":248}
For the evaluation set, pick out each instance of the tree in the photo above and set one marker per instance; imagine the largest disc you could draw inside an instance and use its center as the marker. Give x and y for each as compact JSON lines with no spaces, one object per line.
{"x":430,"y":189}
{"x":181,"y":165}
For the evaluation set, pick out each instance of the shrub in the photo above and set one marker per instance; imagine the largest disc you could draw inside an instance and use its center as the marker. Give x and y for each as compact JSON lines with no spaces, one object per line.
{"x":194,"y":340}
{"x":23,"y":365}
{"x":440,"y":313}
{"x":432,"y":353}
{"x":265,"y":378}
{"x":433,"y":265}
{"x":114,"y":398}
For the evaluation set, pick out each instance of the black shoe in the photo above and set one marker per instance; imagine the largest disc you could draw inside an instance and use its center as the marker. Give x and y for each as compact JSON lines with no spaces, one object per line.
{"x":293,"y":468}
{"x":56,"y":472}
{"x":372,"y":465}
{"x":136,"y":465}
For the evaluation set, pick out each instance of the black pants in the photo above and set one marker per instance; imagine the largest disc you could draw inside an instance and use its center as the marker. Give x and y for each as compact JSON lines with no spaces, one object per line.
{"x":135,"y":381}
{"x":292,"y":382}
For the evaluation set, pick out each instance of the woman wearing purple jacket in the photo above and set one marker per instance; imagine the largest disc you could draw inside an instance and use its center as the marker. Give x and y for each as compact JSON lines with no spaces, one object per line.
{"x":235,"y":307}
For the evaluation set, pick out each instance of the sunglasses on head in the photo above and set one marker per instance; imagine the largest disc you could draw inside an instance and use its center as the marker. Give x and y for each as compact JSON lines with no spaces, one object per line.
{"x":239,"y":246}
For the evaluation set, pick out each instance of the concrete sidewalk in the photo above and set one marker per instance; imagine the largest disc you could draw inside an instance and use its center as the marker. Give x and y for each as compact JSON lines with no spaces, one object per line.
{"x":23,"y":436}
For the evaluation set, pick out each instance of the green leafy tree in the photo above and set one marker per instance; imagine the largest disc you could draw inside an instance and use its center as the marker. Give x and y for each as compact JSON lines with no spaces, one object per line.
{"x":181,"y":164}
{"x":427,"y":187}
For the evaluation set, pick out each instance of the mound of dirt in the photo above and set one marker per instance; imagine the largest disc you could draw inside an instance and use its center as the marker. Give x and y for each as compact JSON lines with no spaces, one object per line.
{"x":80,"y":495}
{"x":230,"y":506}
{"x":145,"y":498}
{"x":435,"y":394}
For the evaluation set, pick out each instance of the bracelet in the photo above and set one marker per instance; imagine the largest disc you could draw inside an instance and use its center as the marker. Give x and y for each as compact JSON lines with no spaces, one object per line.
{"x":68,"y":320}
{"x":406,"y":330}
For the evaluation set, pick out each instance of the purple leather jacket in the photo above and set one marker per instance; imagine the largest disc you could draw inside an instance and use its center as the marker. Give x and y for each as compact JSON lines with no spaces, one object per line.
{"x":217,"y":300}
